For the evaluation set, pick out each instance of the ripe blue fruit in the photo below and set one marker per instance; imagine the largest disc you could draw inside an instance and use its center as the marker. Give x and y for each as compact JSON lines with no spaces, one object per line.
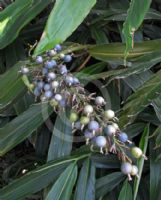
{"x":62,"y":103}
{"x":39,"y":59}
{"x":37,"y":92}
{"x":40,"y":85}
{"x":63,"y":69}
{"x":123,"y":137}
{"x":78,"y":125}
{"x":100,"y":141}
{"x":109,"y":130}
{"x":44,"y":71}
{"x":50,"y":64}
{"x":75,"y":81}
{"x":88,"y":134}
{"x":93,"y":125}
{"x":67,"y":58}
{"x":48,"y":94}
{"x":58,"y":47}
{"x":47,"y":87}
{"x":126,"y":168}
{"x":69,"y":80}
{"x":51,"y":75}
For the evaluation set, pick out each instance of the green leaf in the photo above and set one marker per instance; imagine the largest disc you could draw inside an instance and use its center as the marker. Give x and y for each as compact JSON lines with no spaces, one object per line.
{"x":65,"y":17}
{"x":126,"y":191}
{"x":142,"y":145}
{"x":113,"y":51}
{"x":62,"y":188}
{"x":22,"y":126}
{"x":86,"y":190}
{"x":37,"y":179}
{"x":135,"y":17}
{"x":155,"y":171}
{"x":62,"y":138}
{"x":140,"y":99}
{"x":107,"y":183}
{"x":16,"y":16}
{"x":11,"y":85}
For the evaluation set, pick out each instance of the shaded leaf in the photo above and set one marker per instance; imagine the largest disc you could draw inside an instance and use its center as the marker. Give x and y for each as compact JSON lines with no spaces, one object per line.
{"x":62,"y":188}
{"x":37,"y":179}
{"x":107,"y":183}
{"x":86,"y":190}
{"x":62,"y":138}
{"x":140,"y":99}
{"x":11,"y":85}
{"x":22,"y":126}
{"x":126,"y":192}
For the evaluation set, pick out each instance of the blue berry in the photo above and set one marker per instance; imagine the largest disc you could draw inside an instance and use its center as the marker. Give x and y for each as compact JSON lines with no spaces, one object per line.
{"x":48,"y":94}
{"x":100,"y":141}
{"x":47,"y":87}
{"x":78,"y":125}
{"x":63,"y":70}
{"x":37,"y":92}
{"x":109,"y":130}
{"x":69,"y":80}
{"x":62,"y":103}
{"x":51,"y":75}
{"x":44,"y":71}
{"x":40,"y":85}
{"x":123,"y":137}
{"x":75,"y":81}
{"x":88,"y":134}
{"x":50,"y":64}
{"x":39,"y":59}
{"x":58,"y":47}
{"x":67,"y":58}
{"x":93,"y":126}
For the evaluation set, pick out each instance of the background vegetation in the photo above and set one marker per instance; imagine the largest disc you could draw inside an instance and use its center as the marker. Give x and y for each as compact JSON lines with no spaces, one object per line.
{"x":102,"y":35}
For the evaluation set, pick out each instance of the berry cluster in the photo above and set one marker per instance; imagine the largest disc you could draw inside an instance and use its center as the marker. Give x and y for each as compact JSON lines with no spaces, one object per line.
{"x":52,"y":82}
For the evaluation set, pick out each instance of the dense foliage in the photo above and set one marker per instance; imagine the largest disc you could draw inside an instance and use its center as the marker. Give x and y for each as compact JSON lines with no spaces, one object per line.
{"x":114,"y":49}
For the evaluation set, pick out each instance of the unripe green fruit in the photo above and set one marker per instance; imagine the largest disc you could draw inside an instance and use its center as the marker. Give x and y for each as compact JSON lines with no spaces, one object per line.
{"x":84,"y":120}
{"x":53,"y":102}
{"x":109,"y":114}
{"x":136,"y":152}
{"x":73,"y":117}
{"x":134,"y":170}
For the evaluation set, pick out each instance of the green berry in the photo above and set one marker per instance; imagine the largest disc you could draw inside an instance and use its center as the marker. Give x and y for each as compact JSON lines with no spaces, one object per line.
{"x":109,"y":114}
{"x":53,"y":102}
{"x":84,"y":120}
{"x":73,"y":117}
{"x":134,"y":170}
{"x":136,"y":152}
